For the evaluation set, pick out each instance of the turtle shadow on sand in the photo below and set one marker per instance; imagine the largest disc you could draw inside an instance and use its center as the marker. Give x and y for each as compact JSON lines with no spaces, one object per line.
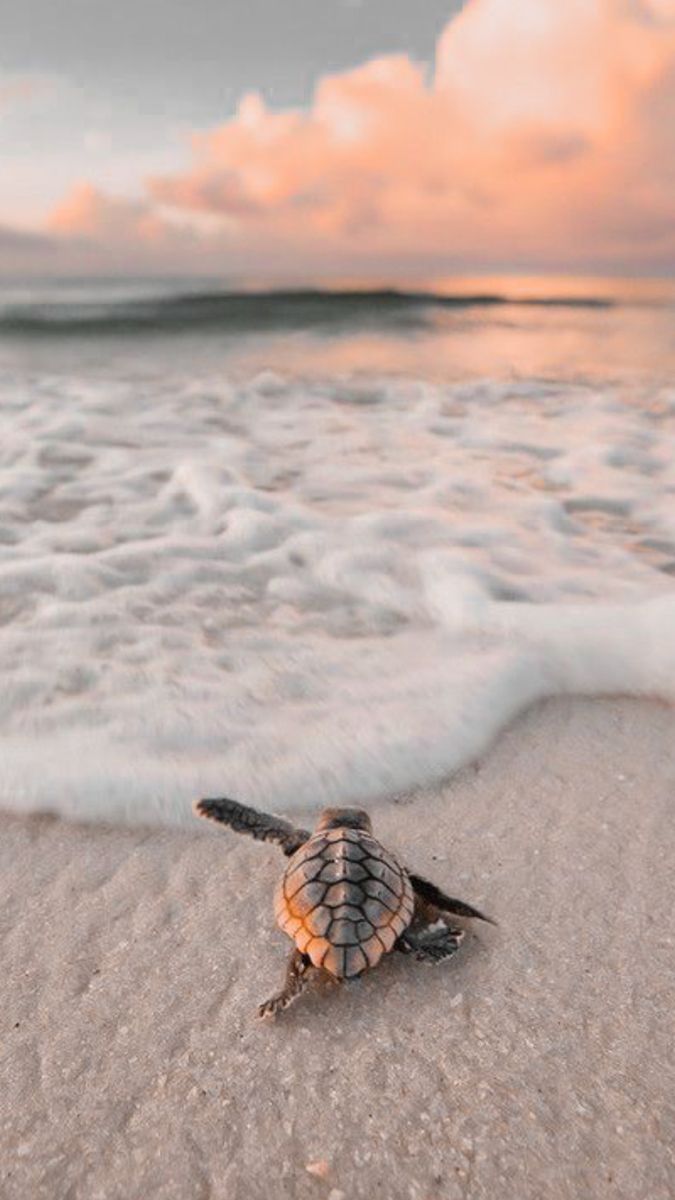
{"x":344,"y":900}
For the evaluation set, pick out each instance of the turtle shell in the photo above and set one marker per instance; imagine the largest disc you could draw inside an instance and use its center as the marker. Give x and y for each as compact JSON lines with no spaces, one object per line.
{"x":344,"y":900}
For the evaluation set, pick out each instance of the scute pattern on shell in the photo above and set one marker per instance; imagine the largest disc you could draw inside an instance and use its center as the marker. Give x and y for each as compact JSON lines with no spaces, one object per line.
{"x":344,"y":900}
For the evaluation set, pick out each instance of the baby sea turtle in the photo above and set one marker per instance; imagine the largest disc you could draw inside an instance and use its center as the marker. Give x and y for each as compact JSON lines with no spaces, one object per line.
{"x":343,"y":899}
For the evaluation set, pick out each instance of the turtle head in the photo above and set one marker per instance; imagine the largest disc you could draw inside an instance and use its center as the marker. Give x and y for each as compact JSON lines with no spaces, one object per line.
{"x":340,"y":818}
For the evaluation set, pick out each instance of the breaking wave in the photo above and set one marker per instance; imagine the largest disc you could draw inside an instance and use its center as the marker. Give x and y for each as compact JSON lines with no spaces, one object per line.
{"x":252,"y":312}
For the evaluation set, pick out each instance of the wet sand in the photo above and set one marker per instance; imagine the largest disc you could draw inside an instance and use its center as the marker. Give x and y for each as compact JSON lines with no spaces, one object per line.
{"x":538,"y":1063}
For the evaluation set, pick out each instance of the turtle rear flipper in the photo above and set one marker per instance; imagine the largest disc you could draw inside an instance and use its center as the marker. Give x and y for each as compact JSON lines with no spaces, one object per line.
{"x":430,"y":894}
{"x":259,"y":825}
{"x":431,"y":947}
{"x":296,"y":979}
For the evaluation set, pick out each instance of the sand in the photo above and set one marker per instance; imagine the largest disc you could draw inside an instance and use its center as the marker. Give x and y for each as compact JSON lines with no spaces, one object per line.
{"x":538,"y":1063}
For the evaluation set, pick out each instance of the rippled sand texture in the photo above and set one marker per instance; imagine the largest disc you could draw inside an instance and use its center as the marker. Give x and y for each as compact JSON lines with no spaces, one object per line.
{"x":538,"y":1063}
{"x":302,"y":589}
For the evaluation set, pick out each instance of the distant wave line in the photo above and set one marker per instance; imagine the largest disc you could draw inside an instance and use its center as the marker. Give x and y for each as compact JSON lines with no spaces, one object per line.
{"x":259,"y":311}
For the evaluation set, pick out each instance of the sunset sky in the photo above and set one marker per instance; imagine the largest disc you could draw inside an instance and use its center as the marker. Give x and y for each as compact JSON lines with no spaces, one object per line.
{"x":361,"y":139}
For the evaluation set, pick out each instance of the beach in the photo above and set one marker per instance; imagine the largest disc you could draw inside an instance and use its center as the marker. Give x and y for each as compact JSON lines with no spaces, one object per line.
{"x":538,"y":1062}
{"x":337,"y":487}
{"x":336,"y":549}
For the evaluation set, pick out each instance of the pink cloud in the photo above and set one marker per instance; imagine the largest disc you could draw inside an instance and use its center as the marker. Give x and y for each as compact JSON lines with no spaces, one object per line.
{"x":112,"y":233}
{"x":88,"y":213}
{"x":544,"y":136}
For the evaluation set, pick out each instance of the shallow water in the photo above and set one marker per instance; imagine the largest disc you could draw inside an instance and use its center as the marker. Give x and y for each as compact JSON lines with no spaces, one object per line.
{"x":299,"y":565}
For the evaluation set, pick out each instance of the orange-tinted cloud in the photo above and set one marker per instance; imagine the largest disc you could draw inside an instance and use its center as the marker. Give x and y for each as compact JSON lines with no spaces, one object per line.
{"x":544,"y":136}
{"x":88,"y":213}
{"x":111,"y":233}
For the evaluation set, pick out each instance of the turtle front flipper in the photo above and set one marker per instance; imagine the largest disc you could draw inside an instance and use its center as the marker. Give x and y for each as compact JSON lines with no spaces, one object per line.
{"x":432,"y":946}
{"x":297,"y":976}
{"x":430,"y":894}
{"x":259,"y":825}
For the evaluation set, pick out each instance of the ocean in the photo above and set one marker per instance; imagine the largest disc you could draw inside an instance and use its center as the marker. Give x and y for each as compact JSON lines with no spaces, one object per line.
{"x":304,"y":547}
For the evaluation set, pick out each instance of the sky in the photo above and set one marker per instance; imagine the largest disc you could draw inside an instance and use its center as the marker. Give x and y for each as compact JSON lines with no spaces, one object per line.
{"x":337,"y":140}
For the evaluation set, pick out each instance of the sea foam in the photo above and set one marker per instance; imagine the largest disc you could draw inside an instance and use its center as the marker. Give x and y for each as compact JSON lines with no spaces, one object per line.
{"x":301,"y":590}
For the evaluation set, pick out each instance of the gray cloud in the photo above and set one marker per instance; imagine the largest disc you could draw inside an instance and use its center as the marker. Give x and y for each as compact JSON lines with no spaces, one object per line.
{"x":190,"y":62}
